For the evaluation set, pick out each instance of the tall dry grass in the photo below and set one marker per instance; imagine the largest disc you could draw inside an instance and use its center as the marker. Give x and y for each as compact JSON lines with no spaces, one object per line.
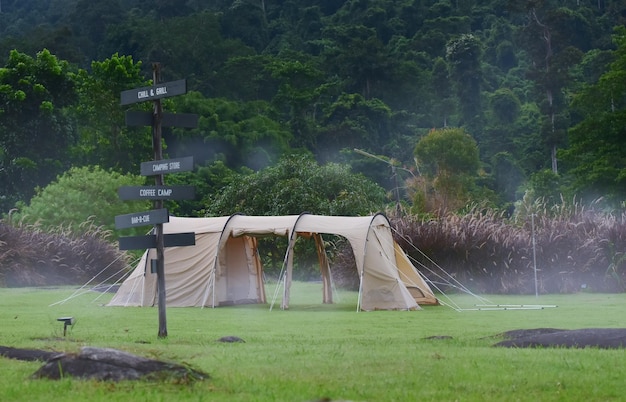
{"x":32,"y":257}
{"x":572,"y":247}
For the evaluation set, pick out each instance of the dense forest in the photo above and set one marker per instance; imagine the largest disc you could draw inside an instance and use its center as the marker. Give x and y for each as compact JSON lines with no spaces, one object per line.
{"x":537,"y":86}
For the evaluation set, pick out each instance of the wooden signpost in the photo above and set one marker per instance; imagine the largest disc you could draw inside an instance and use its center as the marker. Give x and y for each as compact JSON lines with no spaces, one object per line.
{"x":157,"y":168}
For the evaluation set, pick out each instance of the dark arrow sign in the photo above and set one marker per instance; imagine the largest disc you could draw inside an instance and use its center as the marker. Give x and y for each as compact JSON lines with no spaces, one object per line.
{"x":184,"y":120}
{"x":163,"y":90}
{"x":157,"y":192}
{"x":164,"y":166}
{"x":152,"y":217}
{"x":149,"y":241}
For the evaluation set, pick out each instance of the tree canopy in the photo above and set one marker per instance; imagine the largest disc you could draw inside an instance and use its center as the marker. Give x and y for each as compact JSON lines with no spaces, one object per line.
{"x":80,"y":198}
{"x":35,"y":131}
{"x":597,"y":151}
{"x":297,"y":184}
{"x":532,"y":81}
{"x":449,"y":160}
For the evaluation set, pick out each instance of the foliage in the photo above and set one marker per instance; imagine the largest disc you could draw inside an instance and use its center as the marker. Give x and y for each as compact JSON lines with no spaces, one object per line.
{"x":238,"y":133}
{"x":596,"y":155}
{"x":32,"y":257}
{"x":350,"y":120}
{"x":207,"y":180}
{"x":554,"y":38}
{"x":449,"y":160}
{"x":508,"y":176}
{"x":35,"y":133}
{"x":546,"y":186}
{"x":463,"y":55}
{"x":77,"y":196}
{"x":272,"y":77}
{"x":298,"y":184}
{"x":104,"y":140}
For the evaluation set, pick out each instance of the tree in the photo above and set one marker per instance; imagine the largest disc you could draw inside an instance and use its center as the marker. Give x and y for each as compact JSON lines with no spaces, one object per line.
{"x":298,"y":184}
{"x":546,"y":186}
{"x":352,"y":121}
{"x":505,"y":106}
{"x":35,"y":132}
{"x":499,"y":132}
{"x":550,"y":42}
{"x":90,"y":22}
{"x":82,"y":195}
{"x":105,"y":140}
{"x":358,"y":56}
{"x":300,"y":88}
{"x":247,"y":20}
{"x":444,"y":105}
{"x":238,"y":133}
{"x":449,"y":160}
{"x":596,"y":157}
{"x":507,"y":177}
{"x":198,"y":55}
{"x":208,"y":180}
{"x":464,"y":58}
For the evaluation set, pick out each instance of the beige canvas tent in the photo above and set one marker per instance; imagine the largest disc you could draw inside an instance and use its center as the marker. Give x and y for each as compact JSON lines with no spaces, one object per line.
{"x":223,"y":268}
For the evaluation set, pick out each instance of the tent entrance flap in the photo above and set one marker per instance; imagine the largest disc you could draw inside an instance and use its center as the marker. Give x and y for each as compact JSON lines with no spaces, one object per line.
{"x":241,"y":272}
{"x":412,"y":279}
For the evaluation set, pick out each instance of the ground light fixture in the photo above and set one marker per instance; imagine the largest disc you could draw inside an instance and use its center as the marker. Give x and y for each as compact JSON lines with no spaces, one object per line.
{"x":66,"y":321}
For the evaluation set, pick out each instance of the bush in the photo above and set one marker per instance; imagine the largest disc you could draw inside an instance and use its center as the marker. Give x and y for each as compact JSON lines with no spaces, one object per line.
{"x":298,"y":184}
{"x":80,"y":195}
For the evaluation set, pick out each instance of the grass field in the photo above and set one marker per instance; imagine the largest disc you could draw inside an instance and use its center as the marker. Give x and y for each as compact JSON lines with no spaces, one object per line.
{"x":316,"y":351}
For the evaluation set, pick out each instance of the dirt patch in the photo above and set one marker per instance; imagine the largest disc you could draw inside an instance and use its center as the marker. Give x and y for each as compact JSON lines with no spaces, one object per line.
{"x":603,"y":338}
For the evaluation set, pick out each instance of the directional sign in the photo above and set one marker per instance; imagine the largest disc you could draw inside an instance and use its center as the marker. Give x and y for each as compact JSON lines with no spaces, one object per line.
{"x":149,"y":241}
{"x":157,"y":192}
{"x":183,"y":120}
{"x":163,"y":90}
{"x":142,"y":218}
{"x":163,"y":166}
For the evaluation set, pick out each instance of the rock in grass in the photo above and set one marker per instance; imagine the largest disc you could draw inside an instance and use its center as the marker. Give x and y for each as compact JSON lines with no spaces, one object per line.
{"x":114,"y":365}
{"x":602,"y":338}
{"x":230,"y":339}
{"x":438,"y":337}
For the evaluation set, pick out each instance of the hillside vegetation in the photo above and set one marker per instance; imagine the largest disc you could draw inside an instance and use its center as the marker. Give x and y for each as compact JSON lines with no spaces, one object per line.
{"x":530,"y":81}
{"x":444,"y":104}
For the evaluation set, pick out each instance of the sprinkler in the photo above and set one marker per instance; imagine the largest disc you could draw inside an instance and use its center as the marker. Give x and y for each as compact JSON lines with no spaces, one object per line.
{"x":66,"y":321}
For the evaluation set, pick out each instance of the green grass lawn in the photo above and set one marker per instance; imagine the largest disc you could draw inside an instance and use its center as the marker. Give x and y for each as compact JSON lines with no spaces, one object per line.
{"x":315,"y":351}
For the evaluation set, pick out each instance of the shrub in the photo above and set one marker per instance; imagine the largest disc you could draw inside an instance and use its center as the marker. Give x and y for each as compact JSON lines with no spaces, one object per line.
{"x":298,"y":184}
{"x":80,"y":195}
